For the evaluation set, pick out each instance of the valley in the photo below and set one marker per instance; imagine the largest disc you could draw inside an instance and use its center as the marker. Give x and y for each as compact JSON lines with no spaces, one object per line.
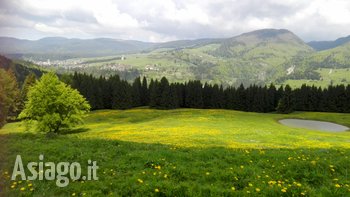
{"x":258,"y":57}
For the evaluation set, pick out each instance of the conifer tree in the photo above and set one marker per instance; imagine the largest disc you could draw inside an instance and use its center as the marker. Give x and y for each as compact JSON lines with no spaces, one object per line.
{"x":286,"y":103}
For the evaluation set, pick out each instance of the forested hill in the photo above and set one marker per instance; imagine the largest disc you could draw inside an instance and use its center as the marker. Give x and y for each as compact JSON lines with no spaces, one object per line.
{"x":20,"y":70}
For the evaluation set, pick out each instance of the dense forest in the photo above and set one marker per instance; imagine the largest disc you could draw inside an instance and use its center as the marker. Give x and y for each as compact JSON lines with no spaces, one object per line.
{"x":115,"y":93}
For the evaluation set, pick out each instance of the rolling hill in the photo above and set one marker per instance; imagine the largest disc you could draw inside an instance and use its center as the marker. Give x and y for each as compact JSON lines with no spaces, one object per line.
{"x":262,"y":56}
{"x":63,"y":48}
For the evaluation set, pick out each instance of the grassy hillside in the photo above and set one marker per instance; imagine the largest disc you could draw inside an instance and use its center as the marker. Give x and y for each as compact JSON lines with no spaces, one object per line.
{"x":260,"y":57}
{"x":256,"y":57}
{"x":328,"y":76}
{"x":187,"y":152}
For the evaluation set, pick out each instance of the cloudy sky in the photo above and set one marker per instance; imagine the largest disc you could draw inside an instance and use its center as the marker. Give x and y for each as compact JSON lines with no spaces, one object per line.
{"x":164,"y":20}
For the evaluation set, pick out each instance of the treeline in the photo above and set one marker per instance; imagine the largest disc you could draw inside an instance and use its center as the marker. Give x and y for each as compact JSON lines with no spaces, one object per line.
{"x":115,"y":93}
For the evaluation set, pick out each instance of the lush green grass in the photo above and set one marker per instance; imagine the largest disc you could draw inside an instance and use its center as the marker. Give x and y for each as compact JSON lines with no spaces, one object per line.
{"x":188,"y":152}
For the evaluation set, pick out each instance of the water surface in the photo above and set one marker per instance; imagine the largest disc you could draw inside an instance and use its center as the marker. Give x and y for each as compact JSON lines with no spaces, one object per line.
{"x":314,"y":125}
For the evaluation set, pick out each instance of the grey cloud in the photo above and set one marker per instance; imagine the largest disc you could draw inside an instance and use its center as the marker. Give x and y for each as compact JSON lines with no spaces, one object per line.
{"x":79,"y":15}
{"x":227,"y":18}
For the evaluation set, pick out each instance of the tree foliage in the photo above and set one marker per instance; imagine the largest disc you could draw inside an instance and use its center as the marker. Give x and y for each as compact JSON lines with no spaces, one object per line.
{"x":161,"y":94}
{"x":9,"y":94}
{"x":53,"y":105}
{"x":286,"y":103}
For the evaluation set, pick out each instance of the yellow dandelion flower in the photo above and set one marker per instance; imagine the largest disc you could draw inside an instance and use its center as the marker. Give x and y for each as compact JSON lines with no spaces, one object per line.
{"x":29,"y":185}
{"x":284,"y":190}
{"x":73,"y":194}
{"x":337,"y":185}
{"x":23,"y":188}
{"x":250,"y":185}
{"x":157,"y":167}
{"x":248,"y":192}
{"x":31,"y":189}
{"x":207,"y":173}
{"x":299,"y":184}
{"x":257,"y":189}
{"x":272,"y":182}
{"x":242,"y":167}
{"x":233,"y":188}
{"x":13,"y":186}
{"x":140,"y":180}
{"x":331,"y":166}
{"x":156,"y":190}
{"x":302,"y":193}
{"x":165,"y":176}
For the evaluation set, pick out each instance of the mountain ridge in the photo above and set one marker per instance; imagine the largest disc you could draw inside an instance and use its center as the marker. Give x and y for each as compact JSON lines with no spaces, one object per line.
{"x":324,"y":45}
{"x":108,"y":46}
{"x":261,"y":56}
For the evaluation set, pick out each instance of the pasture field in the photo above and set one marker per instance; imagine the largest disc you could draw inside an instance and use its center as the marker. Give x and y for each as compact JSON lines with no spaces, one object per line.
{"x":186,"y":152}
{"x":329,"y":76}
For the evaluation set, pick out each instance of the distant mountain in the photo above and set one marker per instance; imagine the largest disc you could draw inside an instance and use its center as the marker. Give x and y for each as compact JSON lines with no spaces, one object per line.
{"x":63,"y":47}
{"x":260,"y":42}
{"x":260,"y":57}
{"x":324,"y":45}
{"x":179,"y":44}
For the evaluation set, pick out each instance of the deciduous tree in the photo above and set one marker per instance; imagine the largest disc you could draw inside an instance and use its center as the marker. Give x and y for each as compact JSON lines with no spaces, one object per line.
{"x":53,"y":105}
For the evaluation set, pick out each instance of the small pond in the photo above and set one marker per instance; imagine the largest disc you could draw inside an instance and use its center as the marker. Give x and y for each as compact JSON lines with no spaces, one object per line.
{"x":314,"y":125}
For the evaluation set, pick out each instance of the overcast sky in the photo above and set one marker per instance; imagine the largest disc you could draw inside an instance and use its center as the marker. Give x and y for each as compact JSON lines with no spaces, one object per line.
{"x":164,"y":20}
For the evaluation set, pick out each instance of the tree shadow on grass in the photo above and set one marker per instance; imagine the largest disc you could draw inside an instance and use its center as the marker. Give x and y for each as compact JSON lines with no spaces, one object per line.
{"x":74,"y":131}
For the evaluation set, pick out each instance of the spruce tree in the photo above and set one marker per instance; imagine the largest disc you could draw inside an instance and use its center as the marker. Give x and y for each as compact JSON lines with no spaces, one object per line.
{"x":144,"y":93}
{"x":136,"y":92}
{"x":286,"y":103}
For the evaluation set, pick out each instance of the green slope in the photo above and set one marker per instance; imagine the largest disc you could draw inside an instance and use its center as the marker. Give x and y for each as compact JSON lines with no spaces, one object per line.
{"x":260,"y":57}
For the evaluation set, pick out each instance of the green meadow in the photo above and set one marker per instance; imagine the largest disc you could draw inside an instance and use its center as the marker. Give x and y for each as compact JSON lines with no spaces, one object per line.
{"x":329,"y":76}
{"x":186,"y":152}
